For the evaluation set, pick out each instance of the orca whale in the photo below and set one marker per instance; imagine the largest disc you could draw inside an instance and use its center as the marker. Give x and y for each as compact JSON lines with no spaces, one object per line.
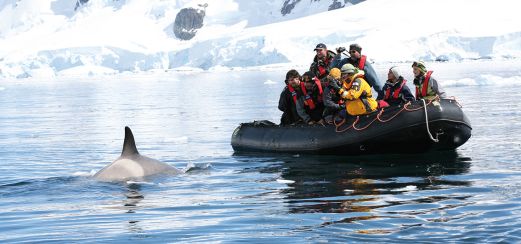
{"x":132,"y":165}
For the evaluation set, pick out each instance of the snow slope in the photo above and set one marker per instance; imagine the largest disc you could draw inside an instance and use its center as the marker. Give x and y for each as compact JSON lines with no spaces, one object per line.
{"x":47,"y":38}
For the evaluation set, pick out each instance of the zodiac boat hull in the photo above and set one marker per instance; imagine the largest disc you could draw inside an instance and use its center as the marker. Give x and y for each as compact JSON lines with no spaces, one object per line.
{"x":406,"y":129}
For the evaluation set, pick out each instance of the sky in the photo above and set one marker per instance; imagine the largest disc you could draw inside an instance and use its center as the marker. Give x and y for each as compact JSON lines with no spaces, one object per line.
{"x":48,"y":39}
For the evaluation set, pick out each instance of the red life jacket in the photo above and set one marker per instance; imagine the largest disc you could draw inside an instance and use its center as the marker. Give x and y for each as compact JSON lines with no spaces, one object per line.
{"x":322,"y":69}
{"x":308,"y":99}
{"x":396,"y":92}
{"x":361,"y":64}
{"x":425,"y":85}
{"x":293,"y":93}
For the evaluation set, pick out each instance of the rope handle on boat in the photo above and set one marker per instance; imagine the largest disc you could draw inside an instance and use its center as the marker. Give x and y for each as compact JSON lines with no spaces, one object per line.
{"x":365,"y":127}
{"x":341,"y":123}
{"x":424,"y":105}
{"x":392,"y":117}
{"x":427,"y":123}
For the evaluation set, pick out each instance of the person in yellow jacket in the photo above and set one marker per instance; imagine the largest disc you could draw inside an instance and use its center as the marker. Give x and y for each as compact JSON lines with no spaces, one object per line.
{"x":356,"y":92}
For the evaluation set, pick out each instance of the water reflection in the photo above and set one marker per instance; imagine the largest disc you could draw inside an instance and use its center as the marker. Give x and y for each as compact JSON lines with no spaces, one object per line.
{"x":332,"y":184}
{"x":133,"y":197}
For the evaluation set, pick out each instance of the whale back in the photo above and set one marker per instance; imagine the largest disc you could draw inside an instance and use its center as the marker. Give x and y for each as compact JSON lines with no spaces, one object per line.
{"x":133,"y":165}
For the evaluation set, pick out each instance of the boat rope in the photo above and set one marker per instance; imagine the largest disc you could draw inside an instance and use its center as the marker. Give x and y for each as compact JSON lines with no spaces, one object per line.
{"x":392,"y":117}
{"x":365,"y":127}
{"x":343,"y":121}
{"x":381,"y":120}
{"x":427,"y":123}
{"x":406,"y":106}
{"x":339,"y":124}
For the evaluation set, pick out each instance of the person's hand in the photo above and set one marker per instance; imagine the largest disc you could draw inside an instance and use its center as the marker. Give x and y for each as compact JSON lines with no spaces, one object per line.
{"x":344,"y":94}
{"x":334,"y":84}
{"x":340,"y":50}
{"x":311,"y":122}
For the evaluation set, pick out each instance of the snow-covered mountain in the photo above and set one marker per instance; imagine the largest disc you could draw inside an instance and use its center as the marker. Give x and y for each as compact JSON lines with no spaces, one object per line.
{"x":48,"y":38}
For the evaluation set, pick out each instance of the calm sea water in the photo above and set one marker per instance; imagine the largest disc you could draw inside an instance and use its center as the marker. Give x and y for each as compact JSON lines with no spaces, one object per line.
{"x":55,"y":135}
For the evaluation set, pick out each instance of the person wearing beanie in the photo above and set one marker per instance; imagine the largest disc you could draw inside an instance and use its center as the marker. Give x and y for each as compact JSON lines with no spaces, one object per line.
{"x":332,"y":102}
{"x":360,"y":61}
{"x":356,"y":92}
{"x":288,"y":98}
{"x":426,"y":86}
{"x":395,"y":90}
{"x":322,"y":61}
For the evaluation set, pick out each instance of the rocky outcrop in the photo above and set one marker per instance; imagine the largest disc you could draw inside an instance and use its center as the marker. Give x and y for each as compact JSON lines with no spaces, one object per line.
{"x":289,"y":5}
{"x":79,"y":3}
{"x":188,"y":21}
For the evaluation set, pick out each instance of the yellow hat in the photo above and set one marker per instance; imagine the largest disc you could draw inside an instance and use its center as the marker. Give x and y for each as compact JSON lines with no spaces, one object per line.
{"x":335,"y":73}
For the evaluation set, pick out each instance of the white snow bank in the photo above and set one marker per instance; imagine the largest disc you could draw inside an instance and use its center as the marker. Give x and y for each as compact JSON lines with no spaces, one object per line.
{"x":46,"y":38}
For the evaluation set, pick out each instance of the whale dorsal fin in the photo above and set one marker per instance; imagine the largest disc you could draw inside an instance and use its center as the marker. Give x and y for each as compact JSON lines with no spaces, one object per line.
{"x":129,"y":146}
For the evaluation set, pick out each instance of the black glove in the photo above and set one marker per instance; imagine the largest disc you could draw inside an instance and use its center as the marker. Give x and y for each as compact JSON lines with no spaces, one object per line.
{"x":340,"y":50}
{"x":334,"y":84}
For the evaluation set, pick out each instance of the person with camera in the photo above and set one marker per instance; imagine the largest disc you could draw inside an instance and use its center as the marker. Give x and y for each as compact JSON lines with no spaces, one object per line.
{"x":360,"y":61}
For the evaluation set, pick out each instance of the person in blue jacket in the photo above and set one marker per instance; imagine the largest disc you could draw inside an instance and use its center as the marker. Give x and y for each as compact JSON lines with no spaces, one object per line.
{"x":359,"y":61}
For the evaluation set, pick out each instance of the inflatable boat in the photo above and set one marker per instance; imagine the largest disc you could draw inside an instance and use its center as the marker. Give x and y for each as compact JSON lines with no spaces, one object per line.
{"x":415,"y":127}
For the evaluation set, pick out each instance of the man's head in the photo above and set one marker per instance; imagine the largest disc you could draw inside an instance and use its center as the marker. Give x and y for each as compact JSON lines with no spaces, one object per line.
{"x":321,"y":50}
{"x":355,"y":51}
{"x":293,"y":78}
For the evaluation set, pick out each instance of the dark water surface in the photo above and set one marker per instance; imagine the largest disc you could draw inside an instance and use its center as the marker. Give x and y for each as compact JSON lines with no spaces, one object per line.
{"x":55,"y":135}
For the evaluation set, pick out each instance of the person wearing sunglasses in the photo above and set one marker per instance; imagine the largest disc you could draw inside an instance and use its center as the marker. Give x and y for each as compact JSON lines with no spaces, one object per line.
{"x":360,"y":61}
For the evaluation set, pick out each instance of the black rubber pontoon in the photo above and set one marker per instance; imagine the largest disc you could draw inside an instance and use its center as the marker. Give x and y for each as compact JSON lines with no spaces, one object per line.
{"x":413,"y":128}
